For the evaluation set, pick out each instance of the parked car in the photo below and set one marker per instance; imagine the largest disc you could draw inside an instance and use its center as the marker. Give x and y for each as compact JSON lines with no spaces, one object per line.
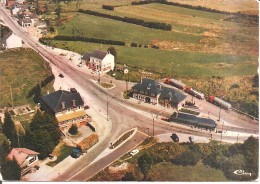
{"x":174,"y":137}
{"x":61,"y":76}
{"x":134,"y":152}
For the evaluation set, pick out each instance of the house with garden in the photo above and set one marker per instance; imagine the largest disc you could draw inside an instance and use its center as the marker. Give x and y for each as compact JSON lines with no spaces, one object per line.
{"x":67,"y":107}
{"x":99,"y":60}
{"x":26,"y":159}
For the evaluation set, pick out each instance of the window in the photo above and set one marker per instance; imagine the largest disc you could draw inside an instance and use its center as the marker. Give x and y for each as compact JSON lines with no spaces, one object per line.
{"x":69,"y":110}
{"x":79,"y":107}
{"x":32,"y":160}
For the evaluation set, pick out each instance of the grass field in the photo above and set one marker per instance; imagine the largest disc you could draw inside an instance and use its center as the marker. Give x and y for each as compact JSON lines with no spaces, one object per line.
{"x":20,"y":69}
{"x":189,"y":63}
{"x":93,"y":26}
{"x":166,"y":171}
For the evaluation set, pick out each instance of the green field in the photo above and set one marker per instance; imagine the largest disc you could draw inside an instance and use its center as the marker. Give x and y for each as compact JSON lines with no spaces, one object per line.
{"x":22,"y":69}
{"x":64,"y":152}
{"x":104,"y":28}
{"x":166,"y":171}
{"x":189,"y":63}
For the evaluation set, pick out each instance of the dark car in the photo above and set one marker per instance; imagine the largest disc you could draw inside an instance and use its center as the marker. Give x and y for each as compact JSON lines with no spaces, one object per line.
{"x":61,"y":76}
{"x":175,"y":138}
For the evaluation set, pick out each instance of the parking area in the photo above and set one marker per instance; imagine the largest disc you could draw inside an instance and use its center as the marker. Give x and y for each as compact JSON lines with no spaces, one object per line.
{"x":182,"y":138}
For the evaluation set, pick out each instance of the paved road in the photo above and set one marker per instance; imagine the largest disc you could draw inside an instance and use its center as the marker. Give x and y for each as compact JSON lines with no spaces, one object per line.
{"x":122,"y":117}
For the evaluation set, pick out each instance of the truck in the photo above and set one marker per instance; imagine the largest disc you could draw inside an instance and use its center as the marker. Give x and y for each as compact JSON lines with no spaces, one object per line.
{"x":84,"y":145}
{"x":175,"y":83}
{"x":219,"y":102}
{"x":194,"y":92}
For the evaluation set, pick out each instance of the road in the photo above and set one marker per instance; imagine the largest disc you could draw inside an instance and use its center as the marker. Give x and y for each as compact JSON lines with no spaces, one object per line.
{"x":123,"y":117}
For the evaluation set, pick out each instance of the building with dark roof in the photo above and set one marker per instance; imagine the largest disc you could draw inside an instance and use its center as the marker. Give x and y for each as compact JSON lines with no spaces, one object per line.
{"x":150,"y":91}
{"x":193,"y":120}
{"x":67,"y":107}
{"x":99,"y":60}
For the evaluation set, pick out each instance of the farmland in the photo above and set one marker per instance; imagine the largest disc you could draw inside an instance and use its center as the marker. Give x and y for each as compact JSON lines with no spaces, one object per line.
{"x":191,"y":63}
{"x":25,"y":67}
{"x":92,"y":26}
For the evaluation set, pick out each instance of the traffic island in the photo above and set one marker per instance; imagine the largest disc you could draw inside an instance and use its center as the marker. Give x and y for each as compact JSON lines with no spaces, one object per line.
{"x":105,"y":85}
{"x":125,"y":137}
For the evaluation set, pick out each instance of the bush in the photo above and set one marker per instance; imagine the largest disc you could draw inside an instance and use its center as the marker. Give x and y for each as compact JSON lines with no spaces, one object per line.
{"x":128,"y":177}
{"x":73,"y":130}
{"x":133,"y":44}
{"x":108,"y":7}
{"x":187,"y":158}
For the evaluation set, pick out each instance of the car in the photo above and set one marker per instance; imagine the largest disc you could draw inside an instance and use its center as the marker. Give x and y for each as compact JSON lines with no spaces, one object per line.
{"x":134,"y":152}
{"x":61,"y":76}
{"x":174,"y":137}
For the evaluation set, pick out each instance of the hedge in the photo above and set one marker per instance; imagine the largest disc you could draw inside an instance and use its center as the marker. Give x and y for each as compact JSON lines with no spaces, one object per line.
{"x":154,"y":25}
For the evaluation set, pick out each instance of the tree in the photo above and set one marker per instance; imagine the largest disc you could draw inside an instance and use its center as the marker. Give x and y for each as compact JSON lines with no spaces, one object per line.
{"x":73,"y":130}
{"x":38,"y":94}
{"x":4,"y":147}
{"x":9,"y":129}
{"x":128,"y":177}
{"x":251,"y":153}
{"x":10,"y":170}
{"x":145,"y":162}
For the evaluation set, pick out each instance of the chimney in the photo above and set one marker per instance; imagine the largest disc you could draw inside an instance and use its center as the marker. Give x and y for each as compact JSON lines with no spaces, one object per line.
{"x":141,"y":80}
{"x":63,"y":105}
{"x":74,"y":103}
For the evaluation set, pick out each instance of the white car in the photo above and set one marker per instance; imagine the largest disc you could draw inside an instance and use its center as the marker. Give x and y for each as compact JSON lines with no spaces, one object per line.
{"x":134,"y":152}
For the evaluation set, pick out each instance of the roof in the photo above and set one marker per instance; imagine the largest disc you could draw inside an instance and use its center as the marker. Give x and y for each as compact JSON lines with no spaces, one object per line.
{"x":172,"y":95}
{"x":55,"y":99}
{"x":99,"y":54}
{"x":195,"y":120}
{"x":20,"y":154}
{"x":26,"y":20}
{"x":148,"y":86}
{"x":10,"y":3}
{"x":71,"y":115}
{"x":86,"y":56}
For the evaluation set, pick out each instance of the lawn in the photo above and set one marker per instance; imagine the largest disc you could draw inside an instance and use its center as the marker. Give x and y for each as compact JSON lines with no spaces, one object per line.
{"x":184,"y":63}
{"x":94,"y":27}
{"x":64,"y":152}
{"x":22,"y":69}
{"x":166,"y":171}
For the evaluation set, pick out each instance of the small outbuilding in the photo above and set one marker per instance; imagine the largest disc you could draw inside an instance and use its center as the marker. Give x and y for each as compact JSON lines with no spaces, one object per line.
{"x":12,"y":41}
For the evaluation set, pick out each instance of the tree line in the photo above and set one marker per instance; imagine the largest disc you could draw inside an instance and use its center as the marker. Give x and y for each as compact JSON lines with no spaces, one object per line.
{"x":227,"y":158}
{"x":83,"y":39}
{"x":153,"y":25}
{"x":193,"y":7}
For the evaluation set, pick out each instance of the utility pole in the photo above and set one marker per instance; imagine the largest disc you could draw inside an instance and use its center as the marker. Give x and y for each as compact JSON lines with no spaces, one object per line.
{"x":154,"y":116}
{"x":12,"y":97}
{"x":222,"y":130}
{"x":237,"y":137}
{"x":172,"y":69}
{"x":114,"y":97}
{"x":219,"y":113}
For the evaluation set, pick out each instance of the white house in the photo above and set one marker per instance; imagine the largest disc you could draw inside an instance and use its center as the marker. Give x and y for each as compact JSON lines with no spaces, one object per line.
{"x":26,"y":22}
{"x":15,"y":10}
{"x":99,"y":60}
{"x":27,"y":159}
{"x":12,"y":41}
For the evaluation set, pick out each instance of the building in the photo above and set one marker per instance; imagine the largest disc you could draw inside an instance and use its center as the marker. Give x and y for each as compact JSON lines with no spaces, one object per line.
{"x":12,"y":41}
{"x":99,"y":60}
{"x":193,"y":121}
{"x":150,"y":91}
{"x":27,"y":22}
{"x":27,"y":159}
{"x":9,"y":3}
{"x":67,"y":107}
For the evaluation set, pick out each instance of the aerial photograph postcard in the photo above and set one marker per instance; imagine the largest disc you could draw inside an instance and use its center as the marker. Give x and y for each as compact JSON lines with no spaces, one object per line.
{"x":129,"y":90}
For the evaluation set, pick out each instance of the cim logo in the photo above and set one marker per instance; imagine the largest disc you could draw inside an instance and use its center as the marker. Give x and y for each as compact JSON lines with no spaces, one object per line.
{"x":241,"y":172}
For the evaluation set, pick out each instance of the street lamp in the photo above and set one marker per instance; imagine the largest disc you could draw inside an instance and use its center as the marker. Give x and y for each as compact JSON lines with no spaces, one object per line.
{"x":112,"y":98}
{"x":155,"y":116}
